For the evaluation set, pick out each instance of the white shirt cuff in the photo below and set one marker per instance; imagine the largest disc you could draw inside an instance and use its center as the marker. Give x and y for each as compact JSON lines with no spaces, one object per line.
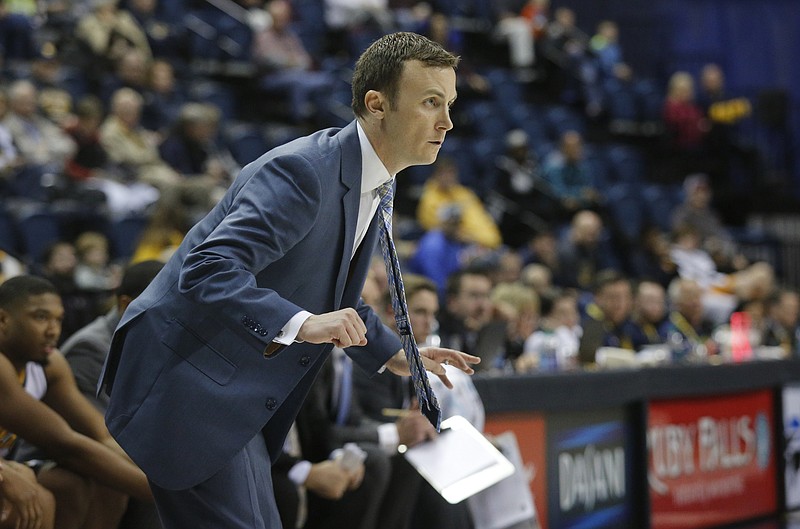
{"x":388,"y":438}
{"x":289,"y":331}
{"x":299,"y":472}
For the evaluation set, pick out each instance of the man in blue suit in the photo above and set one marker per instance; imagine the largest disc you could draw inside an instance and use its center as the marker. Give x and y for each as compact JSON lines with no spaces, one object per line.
{"x":210,"y":364}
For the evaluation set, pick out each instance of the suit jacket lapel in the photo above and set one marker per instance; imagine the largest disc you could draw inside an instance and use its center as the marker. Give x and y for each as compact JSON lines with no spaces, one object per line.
{"x":351,"y":180}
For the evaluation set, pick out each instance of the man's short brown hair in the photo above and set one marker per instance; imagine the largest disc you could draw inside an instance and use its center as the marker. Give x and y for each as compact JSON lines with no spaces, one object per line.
{"x":380,"y":66}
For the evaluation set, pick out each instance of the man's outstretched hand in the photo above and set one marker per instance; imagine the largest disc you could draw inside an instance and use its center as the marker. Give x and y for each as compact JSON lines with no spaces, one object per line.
{"x":434,"y":359}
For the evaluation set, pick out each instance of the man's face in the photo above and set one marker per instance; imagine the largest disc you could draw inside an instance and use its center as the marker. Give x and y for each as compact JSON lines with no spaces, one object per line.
{"x":422,"y":309}
{"x":416,"y":123}
{"x":472,"y":303}
{"x":29,"y":332}
{"x":690,"y":301}
{"x":651,"y":302}
{"x":616,"y":301}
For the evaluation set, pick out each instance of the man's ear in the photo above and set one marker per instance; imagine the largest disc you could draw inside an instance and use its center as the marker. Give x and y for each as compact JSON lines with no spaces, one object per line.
{"x":375,"y":103}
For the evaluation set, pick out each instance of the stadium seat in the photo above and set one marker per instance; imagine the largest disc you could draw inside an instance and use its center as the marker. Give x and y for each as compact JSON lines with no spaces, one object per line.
{"x":38,"y":230}
{"x":124,"y":234}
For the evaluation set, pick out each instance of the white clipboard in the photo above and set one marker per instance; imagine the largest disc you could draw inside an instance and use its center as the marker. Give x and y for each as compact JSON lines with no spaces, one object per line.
{"x":460,"y":462}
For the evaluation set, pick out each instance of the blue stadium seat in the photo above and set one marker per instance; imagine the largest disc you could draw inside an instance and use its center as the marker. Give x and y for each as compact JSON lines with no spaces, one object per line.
{"x":625,"y":164}
{"x":246,"y":143}
{"x":216,"y":93}
{"x":625,"y":207}
{"x":38,"y":230}
{"x":124,"y":234}
{"x":621,"y":103}
{"x":561,"y":119}
{"x":660,"y":201}
{"x":9,"y":241}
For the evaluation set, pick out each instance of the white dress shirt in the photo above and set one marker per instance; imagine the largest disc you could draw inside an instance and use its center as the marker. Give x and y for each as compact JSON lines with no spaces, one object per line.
{"x":373,"y":174}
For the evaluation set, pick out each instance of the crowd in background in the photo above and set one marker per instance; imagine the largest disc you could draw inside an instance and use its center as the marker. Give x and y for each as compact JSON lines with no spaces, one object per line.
{"x":543,"y":234}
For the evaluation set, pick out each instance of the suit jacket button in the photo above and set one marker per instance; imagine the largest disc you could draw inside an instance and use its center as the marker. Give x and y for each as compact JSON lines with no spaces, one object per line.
{"x":304,"y":361}
{"x":271,"y":404}
{"x":263,"y":332}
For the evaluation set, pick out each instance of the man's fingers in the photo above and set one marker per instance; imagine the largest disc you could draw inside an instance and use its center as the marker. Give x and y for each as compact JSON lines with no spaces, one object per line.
{"x":343,"y":328}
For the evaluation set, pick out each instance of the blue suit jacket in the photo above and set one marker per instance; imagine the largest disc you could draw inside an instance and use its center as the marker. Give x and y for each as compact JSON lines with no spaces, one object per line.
{"x":191,"y":372}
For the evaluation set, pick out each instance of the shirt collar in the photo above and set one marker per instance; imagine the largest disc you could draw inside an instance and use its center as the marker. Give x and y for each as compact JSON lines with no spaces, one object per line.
{"x":373,"y":172}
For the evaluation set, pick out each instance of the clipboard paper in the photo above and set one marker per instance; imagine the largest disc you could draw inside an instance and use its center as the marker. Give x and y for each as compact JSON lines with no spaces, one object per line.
{"x":460,"y":462}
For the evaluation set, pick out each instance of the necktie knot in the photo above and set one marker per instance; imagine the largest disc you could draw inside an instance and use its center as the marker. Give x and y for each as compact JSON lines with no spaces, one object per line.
{"x":386,"y":195}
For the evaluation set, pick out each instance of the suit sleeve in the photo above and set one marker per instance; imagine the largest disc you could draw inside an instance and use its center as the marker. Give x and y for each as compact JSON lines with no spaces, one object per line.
{"x":382,"y":342}
{"x":270,"y":214}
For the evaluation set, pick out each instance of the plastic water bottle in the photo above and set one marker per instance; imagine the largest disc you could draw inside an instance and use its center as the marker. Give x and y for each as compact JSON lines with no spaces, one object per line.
{"x":548,"y":354}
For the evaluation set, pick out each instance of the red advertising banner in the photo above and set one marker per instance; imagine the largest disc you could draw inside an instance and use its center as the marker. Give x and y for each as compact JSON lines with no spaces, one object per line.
{"x":530,"y":431}
{"x":711,"y":460}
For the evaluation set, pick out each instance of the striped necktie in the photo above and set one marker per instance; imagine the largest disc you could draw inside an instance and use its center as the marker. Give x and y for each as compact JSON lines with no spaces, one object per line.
{"x":419,"y":377}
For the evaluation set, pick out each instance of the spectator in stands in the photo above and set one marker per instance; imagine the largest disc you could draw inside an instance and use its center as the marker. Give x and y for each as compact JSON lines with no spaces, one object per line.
{"x":506,"y":266}
{"x":94,"y":270}
{"x":470,"y":83}
{"x":287,"y":68}
{"x":92,"y":476}
{"x":192,"y":149}
{"x":131,"y":70}
{"x":608,"y":318}
{"x":726,"y":146}
{"x":38,"y":140}
{"x":468,"y":323}
{"x":353,"y":24}
{"x":164,"y":97}
{"x":696,"y":211}
{"x":135,"y":149}
{"x":10,"y":160}
{"x":542,"y":248}
{"x":650,"y":258}
{"x":722,"y":292}
{"x":574,"y":73}
{"x":109,"y":32}
{"x":560,"y":322}
{"x":582,"y":252}
{"x":162,"y":36}
{"x":443,"y":189}
{"x":686,"y":125}
{"x":783,"y":321}
{"x":86,"y":351}
{"x":441,"y":251}
{"x":605,"y":46}
{"x":90,"y":159}
{"x":90,"y":169}
{"x":58,"y":266}
{"x":570,"y":176}
{"x":688,"y":330}
{"x":523,"y":199}
{"x":48,"y":75}
{"x":518,"y":306}
{"x":520,"y":29}
{"x":166,"y":227}
{"x":23,"y":501}
{"x":538,"y":277}
{"x":649,"y":315}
